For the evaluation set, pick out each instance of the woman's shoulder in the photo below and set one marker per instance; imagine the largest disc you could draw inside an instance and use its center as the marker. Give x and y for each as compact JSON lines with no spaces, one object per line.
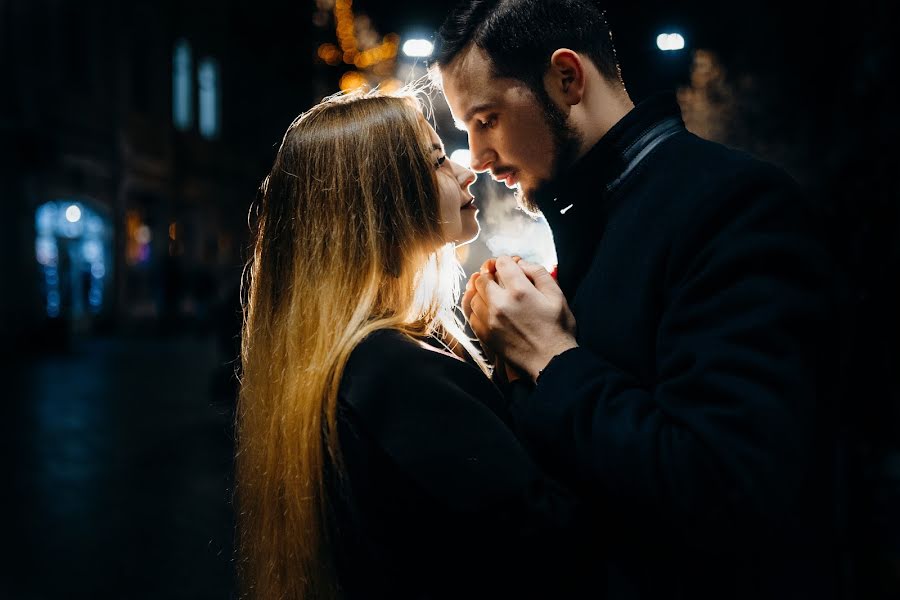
{"x":391,"y":344}
{"x":392,"y":349}
{"x":389,"y":367}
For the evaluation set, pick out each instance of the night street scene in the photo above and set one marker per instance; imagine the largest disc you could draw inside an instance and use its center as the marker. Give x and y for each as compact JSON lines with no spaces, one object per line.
{"x":134,"y":137}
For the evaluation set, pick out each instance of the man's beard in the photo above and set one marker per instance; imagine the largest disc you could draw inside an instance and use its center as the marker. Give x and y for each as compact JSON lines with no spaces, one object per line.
{"x":566,"y":145}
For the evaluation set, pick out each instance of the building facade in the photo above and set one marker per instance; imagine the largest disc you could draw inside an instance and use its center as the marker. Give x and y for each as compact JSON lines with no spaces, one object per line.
{"x":133,"y":139}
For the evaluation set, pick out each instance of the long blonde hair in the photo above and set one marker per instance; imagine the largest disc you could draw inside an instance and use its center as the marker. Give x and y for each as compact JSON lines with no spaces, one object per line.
{"x":347,"y":241}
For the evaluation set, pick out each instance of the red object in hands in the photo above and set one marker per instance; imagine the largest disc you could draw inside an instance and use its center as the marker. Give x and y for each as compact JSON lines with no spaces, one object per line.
{"x":554,"y":271}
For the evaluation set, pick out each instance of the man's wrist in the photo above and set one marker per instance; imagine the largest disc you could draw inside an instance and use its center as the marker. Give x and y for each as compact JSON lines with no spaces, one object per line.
{"x":547,"y":357}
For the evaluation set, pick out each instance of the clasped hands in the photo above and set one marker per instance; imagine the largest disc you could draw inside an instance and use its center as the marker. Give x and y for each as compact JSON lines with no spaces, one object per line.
{"x":519,"y":313}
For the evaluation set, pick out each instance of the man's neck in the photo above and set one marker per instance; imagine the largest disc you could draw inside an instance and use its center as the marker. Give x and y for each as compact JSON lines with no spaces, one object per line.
{"x":605,"y":106}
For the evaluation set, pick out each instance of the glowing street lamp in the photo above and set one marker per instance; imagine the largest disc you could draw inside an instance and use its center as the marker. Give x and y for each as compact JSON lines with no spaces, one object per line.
{"x":73,"y":213}
{"x":669,"y":42}
{"x":417,"y":48}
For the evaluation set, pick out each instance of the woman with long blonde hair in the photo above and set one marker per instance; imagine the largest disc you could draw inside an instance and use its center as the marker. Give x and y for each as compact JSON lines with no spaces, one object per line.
{"x":373,"y":455}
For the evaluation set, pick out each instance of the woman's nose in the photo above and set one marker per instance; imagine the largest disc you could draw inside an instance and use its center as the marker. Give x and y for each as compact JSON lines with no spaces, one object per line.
{"x":482,"y":155}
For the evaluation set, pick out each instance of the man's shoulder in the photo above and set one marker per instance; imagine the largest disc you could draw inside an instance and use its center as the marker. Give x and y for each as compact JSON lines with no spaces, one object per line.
{"x":693,"y":190}
{"x":697,"y":161}
{"x":728,"y":197}
{"x":689,"y":180}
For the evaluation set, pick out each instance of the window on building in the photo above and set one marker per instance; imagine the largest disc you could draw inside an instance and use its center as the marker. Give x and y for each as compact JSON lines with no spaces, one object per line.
{"x":182,"y":86}
{"x":208,"y":86}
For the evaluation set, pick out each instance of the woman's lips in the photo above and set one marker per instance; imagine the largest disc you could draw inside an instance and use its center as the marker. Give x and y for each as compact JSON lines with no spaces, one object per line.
{"x":469,"y":204}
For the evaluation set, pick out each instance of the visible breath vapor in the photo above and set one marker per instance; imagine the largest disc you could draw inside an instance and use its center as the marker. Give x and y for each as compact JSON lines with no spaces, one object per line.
{"x":506,"y":230}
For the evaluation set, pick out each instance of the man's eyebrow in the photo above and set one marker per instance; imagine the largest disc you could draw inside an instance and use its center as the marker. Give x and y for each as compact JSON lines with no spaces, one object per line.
{"x":477,"y":109}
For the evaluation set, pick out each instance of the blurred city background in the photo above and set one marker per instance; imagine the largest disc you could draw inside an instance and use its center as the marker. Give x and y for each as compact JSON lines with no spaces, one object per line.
{"x":133,"y":138}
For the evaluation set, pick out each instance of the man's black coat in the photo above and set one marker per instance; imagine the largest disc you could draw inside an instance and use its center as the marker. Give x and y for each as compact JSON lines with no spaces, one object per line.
{"x":693,"y":413}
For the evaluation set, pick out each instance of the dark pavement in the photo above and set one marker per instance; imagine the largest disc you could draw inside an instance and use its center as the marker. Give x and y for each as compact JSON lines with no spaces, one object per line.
{"x":121,"y":472}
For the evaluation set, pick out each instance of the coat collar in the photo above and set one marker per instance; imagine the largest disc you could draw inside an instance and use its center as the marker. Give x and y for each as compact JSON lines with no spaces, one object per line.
{"x":578,"y":205}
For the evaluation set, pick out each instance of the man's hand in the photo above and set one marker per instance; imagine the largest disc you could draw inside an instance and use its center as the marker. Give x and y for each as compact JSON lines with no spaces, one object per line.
{"x":518,"y":310}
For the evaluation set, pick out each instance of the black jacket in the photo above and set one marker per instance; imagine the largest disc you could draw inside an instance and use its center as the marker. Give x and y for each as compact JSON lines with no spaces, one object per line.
{"x":437,"y":498}
{"x":692,"y":414}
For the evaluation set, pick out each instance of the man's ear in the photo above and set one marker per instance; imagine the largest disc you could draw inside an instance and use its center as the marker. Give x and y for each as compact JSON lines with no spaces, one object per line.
{"x":565,"y":78}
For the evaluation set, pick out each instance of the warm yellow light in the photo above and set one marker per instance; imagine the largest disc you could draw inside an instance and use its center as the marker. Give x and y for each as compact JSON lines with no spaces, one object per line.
{"x":384,"y":69}
{"x":391,"y":85}
{"x":352,"y":80}
{"x":173,"y":231}
{"x":132,"y":248}
{"x":345,"y":27}
{"x":327,"y":52}
{"x":349,"y":30}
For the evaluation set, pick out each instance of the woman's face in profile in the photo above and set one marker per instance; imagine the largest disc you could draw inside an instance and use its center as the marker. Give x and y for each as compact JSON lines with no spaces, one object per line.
{"x":457,"y":203}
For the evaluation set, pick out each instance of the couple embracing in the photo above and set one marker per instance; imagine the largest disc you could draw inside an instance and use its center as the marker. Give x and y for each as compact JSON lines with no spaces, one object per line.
{"x":651,"y":423}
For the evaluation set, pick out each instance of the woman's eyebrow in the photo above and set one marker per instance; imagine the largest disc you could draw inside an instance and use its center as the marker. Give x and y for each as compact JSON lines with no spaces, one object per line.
{"x":437,"y":147}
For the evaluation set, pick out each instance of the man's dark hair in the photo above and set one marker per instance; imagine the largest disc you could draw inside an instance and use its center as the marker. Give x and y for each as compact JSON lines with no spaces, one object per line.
{"x":519,"y":36}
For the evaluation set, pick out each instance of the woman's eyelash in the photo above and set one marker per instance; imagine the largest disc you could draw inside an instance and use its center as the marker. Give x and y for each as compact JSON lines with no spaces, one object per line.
{"x":441,"y":160}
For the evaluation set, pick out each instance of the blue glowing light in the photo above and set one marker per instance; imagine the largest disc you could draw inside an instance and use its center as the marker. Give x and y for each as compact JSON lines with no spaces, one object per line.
{"x":182,"y":87}
{"x":208,"y":96}
{"x":82,"y":233}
